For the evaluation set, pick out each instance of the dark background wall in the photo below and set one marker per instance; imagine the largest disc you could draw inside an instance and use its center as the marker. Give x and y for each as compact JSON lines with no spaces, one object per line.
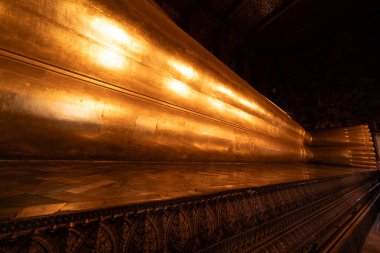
{"x":317,"y":59}
{"x":334,"y":81}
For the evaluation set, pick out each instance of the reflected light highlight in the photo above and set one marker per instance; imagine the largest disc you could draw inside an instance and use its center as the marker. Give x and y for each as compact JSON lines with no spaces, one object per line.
{"x":117,"y":38}
{"x":245,"y":102}
{"x":242,"y":114}
{"x":110,"y":59}
{"x":249,"y":104}
{"x":183,"y":69}
{"x":110,"y":30}
{"x":75,"y":112}
{"x":178,"y":87}
{"x":70,"y":108}
{"x":217,"y":104}
{"x":225,"y":91}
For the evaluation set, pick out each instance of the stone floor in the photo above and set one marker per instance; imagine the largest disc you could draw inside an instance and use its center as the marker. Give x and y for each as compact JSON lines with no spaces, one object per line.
{"x":372,"y":242}
{"x":41,"y":188}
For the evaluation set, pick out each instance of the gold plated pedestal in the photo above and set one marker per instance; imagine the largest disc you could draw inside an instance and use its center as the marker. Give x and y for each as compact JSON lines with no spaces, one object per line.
{"x":137,"y":207}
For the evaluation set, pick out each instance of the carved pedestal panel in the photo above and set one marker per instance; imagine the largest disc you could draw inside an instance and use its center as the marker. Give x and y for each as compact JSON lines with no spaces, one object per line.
{"x":294,"y":217}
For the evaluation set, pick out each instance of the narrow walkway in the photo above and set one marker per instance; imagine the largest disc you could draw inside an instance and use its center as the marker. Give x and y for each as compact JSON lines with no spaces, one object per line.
{"x":372,"y":242}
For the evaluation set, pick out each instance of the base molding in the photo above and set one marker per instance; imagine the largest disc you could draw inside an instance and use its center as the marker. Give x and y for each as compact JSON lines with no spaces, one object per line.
{"x":354,"y":233}
{"x":301,"y":216}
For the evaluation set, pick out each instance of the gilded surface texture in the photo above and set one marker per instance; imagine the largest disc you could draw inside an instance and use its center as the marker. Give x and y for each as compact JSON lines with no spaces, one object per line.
{"x":116,"y":80}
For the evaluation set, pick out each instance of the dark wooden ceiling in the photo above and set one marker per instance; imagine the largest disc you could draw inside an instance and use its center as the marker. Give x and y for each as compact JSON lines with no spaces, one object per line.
{"x":317,"y":59}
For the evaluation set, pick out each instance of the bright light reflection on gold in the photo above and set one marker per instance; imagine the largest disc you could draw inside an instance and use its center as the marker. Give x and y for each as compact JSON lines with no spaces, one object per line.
{"x":110,"y":59}
{"x":75,"y":112}
{"x":225,"y":91}
{"x":178,"y":87}
{"x":183,"y":90}
{"x":242,"y":114}
{"x":183,"y":69}
{"x":216,"y":103}
{"x":111,"y":31}
{"x":245,"y":102}
{"x":112,"y":35}
{"x":250,"y":104}
{"x":70,"y":108}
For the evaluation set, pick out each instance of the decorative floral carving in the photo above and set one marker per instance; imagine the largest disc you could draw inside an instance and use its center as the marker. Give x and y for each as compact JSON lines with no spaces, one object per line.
{"x":99,"y":239}
{"x":179,"y":233}
{"x":144,"y":237}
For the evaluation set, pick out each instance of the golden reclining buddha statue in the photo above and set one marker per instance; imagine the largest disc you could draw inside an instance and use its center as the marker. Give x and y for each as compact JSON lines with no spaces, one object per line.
{"x":118,"y":80}
{"x":120,"y":133}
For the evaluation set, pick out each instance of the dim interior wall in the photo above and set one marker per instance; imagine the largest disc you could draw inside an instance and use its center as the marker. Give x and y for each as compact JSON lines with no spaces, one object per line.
{"x":377,"y":145}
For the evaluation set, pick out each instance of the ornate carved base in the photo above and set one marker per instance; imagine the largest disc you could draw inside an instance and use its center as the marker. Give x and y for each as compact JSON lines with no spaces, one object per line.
{"x":294,"y":217}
